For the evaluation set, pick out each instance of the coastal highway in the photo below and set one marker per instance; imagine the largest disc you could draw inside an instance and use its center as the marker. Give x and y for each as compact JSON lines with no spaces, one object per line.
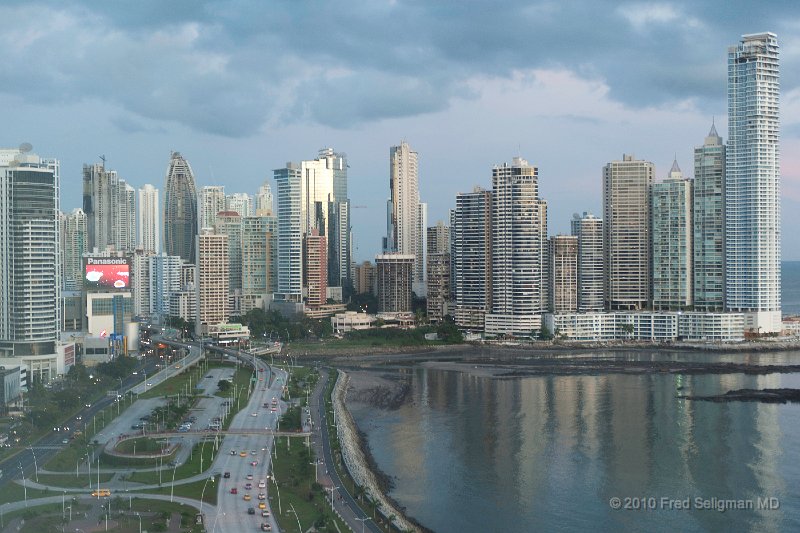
{"x":347,"y":507}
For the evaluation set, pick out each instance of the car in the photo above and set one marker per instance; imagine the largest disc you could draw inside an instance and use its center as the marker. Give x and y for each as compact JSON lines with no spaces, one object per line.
{"x":135,"y":373}
{"x":247,"y":497}
{"x":249,"y":476}
{"x":234,"y":490}
{"x":79,"y":418}
{"x":87,"y":405}
{"x":149,"y":384}
{"x":252,"y":452}
{"x":265,"y":513}
{"x":250,"y":510}
{"x":248,"y":486}
{"x":254,"y":463}
{"x":233,"y":452}
{"x":266,"y":527}
{"x":226,"y":475}
{"x":242,"y":454}
{"x":253,"y":414}
{"x":64,"y":441}
{"x":262,"y":496}
{"x":262,"y":505}
{"x":262,"y":484}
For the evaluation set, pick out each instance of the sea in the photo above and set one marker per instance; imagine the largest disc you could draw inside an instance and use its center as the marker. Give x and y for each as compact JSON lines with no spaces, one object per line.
{"x":611,"y":452}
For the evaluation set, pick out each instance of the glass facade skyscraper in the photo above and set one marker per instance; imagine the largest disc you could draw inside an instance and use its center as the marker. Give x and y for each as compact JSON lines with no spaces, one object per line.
{"x":180,"y":209}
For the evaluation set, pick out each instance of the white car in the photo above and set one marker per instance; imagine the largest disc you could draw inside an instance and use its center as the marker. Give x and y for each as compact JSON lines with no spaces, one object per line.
{"x":262,"y":484}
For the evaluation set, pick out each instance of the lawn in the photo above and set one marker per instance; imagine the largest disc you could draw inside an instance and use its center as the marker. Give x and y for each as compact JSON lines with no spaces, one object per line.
{"x":194,"y":490}
{"x":187,"y":469}
{"x":15,"y":493}
{"x":70,"y":481}
{"x":298,"y":489}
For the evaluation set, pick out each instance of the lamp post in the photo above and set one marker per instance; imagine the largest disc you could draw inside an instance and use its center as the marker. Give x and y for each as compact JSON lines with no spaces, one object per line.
{"x":24,"y":485}
{"x":89,"y":463}
{"x":140,"y":521}
{"x":362,"y":520}
{"x":172,"y":485}
{"x":279,"y":492}
{"x":202,"y":493}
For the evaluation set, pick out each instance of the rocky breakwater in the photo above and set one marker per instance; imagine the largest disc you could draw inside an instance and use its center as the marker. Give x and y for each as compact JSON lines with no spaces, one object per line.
{"x":356,"y":460}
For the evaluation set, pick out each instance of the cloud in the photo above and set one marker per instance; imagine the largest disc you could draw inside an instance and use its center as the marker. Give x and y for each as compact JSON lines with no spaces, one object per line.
{"x":235,"y":67}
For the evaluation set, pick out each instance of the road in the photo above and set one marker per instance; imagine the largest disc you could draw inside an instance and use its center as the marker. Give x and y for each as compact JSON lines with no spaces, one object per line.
{"x":343,"y":501}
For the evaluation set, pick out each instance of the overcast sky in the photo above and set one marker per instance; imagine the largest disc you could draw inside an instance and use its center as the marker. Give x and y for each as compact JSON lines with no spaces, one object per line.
{"x":240,"y":87}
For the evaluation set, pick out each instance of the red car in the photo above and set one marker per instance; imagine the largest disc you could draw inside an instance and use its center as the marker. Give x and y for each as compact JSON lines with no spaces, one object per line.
{"x":234,"y":490}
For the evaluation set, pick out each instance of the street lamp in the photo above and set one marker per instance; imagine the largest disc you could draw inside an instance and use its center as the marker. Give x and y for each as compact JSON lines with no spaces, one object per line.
{"x":140,"y":522}
{"x":35,"y":465}
{"x":362,"y":520}
{"x":24,"y":485}
{"x":203,"y":492}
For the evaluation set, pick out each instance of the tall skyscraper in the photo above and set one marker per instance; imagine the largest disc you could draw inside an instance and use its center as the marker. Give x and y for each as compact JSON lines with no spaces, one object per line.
{"x":230,"y":223}
{"x":709,"y":224}
{"x":140,"y":281}
{"x":264,"y":201}
{"x":472,"y":258}
{"x":258,"y":257}
{"x":212,"y":201}
{"x":110,"y":207}
{"x":563,"y":256}
{"x":290,"y":234}
{"x":73,"y":246}
{"x":438,"y":275}
{"x":519,"y":250}
{"x":149,"y":215}
{"x":339,"y":234}
{"x":671,"y":230}
{"x":405,"y":225}
{"x":591,"y":269}
{"x":180,"y":209}
{"x":212,"y":280}
{"x":626,"y":217}
{"x":30,"y":261}
{"x":752,"y":184}
{"x":165,"y":280}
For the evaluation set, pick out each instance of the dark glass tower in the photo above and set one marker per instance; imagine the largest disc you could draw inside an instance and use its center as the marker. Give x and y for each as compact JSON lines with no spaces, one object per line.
{"x":180,"y":209}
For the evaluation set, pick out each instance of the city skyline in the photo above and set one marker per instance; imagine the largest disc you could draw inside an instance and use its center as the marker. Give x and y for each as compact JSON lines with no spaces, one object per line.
{"x":616,"y":91}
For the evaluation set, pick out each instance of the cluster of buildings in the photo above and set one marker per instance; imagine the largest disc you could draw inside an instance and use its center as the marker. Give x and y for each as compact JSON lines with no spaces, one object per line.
{"x":669,"y":258}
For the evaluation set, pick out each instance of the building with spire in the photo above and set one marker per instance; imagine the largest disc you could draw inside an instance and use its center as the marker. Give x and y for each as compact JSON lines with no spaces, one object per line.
{"x":180,"y":209}
{"x":671,"y":223}
{"x":110,"y":207}
{"x":752,"y":184}
{"x":708,"y":214}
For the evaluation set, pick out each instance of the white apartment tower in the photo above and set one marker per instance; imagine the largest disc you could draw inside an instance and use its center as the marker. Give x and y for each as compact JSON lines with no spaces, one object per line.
{"x":519,"y":250}
{"x":591,"y":270}
{"x":73,"y":246}
{"x":472,"y":258}
{"x":626,"y":217}
{"x":212,"y":280}
{"x":110,"y":207}
{"x":405,"y":232}
{"x":752,"y":184}
{"x":212,"y":201}
{"x":240,"y":202}
{"x":149,"y":214}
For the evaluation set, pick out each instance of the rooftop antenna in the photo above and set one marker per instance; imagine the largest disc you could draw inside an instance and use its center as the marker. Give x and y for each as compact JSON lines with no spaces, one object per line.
{"x":103,"y":159}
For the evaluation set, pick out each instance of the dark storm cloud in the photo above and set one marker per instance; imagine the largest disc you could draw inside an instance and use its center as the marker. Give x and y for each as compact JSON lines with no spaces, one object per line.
{"x":230,"y":67}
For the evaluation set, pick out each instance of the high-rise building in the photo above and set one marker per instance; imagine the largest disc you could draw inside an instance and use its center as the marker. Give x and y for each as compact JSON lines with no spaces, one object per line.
{"x":212,"y":201}
{"x":140,"y":281}
{"x":180,"y":209}
{"x":315,"y":269}
{"x":149,"y":215}
{"x":264,"y":201}
{"x":393,"y":278}
{"x":338,"y":228}
{"x":405,"y":225}
{"x":364,"y":278}
{"x":671,"y":230}
{"x":519,"y":250}
{"x":709,"y":224}
{"x":438,"y":257}
{"x":626,"y":230}
{"x":563,"y":257}
{"x":230,"y":223}
{"x":591,"y":278}
{"x":472,"y":258}
{"x":165,"y":279}
{"x":241,"y":203}
{"x":258,"y":249}
{"x":110,"y":207}
{"x":290,"y":234}
{"x":212,"y":280}
{"x":30,"y":261}
{"x":73,"y":246}
{"x":752,"y":184}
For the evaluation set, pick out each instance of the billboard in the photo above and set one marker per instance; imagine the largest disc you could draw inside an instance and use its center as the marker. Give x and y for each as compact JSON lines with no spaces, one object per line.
{"x":107,"y":273}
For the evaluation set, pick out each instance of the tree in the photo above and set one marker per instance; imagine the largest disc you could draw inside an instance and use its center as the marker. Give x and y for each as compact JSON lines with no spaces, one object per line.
{"x":545,"y":334}
{"x":223,"y":385}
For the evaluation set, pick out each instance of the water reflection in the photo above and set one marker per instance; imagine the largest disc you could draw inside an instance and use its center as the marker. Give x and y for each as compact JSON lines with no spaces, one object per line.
{"x":475,"y":453}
